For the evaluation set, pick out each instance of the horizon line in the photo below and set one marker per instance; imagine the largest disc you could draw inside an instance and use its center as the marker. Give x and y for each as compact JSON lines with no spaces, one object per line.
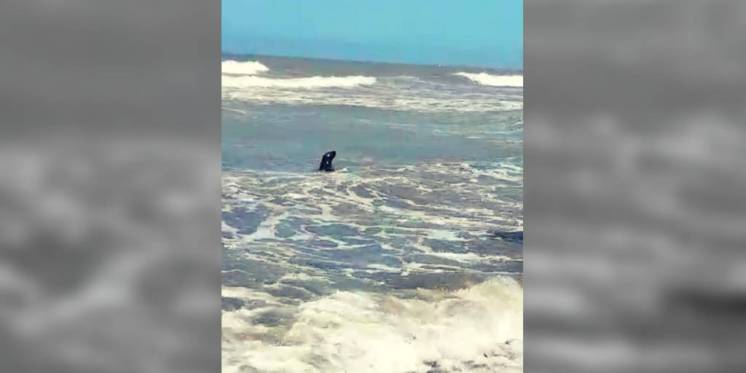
{"x":245,"y":54}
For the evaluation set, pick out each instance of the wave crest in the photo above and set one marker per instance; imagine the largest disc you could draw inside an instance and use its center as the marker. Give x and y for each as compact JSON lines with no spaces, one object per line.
{"x":477,"y":329}
{"x":494,"y":80}
{"x":303,"y":83}
{"x":243,"y":67}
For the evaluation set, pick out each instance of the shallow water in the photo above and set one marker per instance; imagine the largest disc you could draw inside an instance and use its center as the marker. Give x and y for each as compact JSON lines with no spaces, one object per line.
{"x":396,"y":262}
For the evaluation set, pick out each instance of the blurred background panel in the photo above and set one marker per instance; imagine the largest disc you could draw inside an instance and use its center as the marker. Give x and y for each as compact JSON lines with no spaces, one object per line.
{"x":109,"y":186}
{"x":635,"y":200}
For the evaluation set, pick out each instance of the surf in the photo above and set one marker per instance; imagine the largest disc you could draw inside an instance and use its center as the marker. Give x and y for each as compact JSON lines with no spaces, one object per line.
{"x":243,"y":67}
{"x":312,"y":82}
{"x":493,"y":80}
{"x":477,"y":328}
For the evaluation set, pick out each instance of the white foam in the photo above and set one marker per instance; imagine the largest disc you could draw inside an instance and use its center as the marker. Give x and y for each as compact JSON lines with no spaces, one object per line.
{"x":267,"y":96}
{"x":243,"y":67}
{"x":494,"y":80}
{"x":236,"y":111}
{"x":479,"y":328}
{"x":301,"y":83}
{"x":381,"y":95}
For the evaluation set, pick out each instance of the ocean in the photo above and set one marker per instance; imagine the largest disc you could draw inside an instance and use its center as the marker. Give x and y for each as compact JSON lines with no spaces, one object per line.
{"x":407,"y":258}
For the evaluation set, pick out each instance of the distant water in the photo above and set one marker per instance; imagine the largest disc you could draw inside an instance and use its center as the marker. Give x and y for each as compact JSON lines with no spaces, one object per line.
{"x":394,"y":263}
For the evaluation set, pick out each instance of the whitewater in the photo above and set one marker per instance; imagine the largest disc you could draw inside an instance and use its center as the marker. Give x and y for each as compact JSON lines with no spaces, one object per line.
{"x":408,"y":258}
{"x":254,"y":82}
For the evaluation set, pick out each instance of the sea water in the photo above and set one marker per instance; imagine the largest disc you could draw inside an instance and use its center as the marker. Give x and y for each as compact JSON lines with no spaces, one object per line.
{"x":396,"y":262}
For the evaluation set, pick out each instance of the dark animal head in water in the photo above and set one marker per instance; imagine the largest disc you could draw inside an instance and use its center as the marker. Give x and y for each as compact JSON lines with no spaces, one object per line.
{"x":326,"y":161}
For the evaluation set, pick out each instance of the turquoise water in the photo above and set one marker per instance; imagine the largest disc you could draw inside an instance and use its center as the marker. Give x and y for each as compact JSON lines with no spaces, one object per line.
{"x":411,"y":114}
{"x":406,"y":237}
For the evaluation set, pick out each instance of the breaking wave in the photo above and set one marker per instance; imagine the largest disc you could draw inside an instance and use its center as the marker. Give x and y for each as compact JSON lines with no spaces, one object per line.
{"x":252,"y":81}
{"x":494,"y":80}
{"x":300,"y":83}
{"x":401,"y":101}
{"x":243,"y":67}
{"x":476,"y":329}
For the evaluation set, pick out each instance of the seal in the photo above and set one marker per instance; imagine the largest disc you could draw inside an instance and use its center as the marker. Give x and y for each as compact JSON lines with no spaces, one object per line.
{"x":326,"y":161}
{"x":515,"y":237}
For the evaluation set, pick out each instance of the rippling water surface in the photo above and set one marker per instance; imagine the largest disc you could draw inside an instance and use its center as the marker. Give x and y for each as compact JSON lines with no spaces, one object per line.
{"x":409,"y":257}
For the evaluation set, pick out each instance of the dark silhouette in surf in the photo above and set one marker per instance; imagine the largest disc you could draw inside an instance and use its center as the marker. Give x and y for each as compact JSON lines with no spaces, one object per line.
{"x":326,"y":161}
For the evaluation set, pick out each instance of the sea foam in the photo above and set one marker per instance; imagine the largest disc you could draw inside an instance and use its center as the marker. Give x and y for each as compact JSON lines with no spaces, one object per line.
{"x":477,"y":329}
{"x":494,"y":80}
{"x":298,"y":83}
{"x":243,"y":67}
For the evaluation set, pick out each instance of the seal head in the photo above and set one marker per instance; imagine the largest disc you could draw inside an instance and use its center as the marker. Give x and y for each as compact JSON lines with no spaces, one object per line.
{"x":326,"y":161}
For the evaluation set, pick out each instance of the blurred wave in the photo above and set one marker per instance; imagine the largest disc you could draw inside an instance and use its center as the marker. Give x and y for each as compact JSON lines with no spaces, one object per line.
{"x":109,"y":186}
{"x":104,"y":265}
{"x":635,"y":187}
